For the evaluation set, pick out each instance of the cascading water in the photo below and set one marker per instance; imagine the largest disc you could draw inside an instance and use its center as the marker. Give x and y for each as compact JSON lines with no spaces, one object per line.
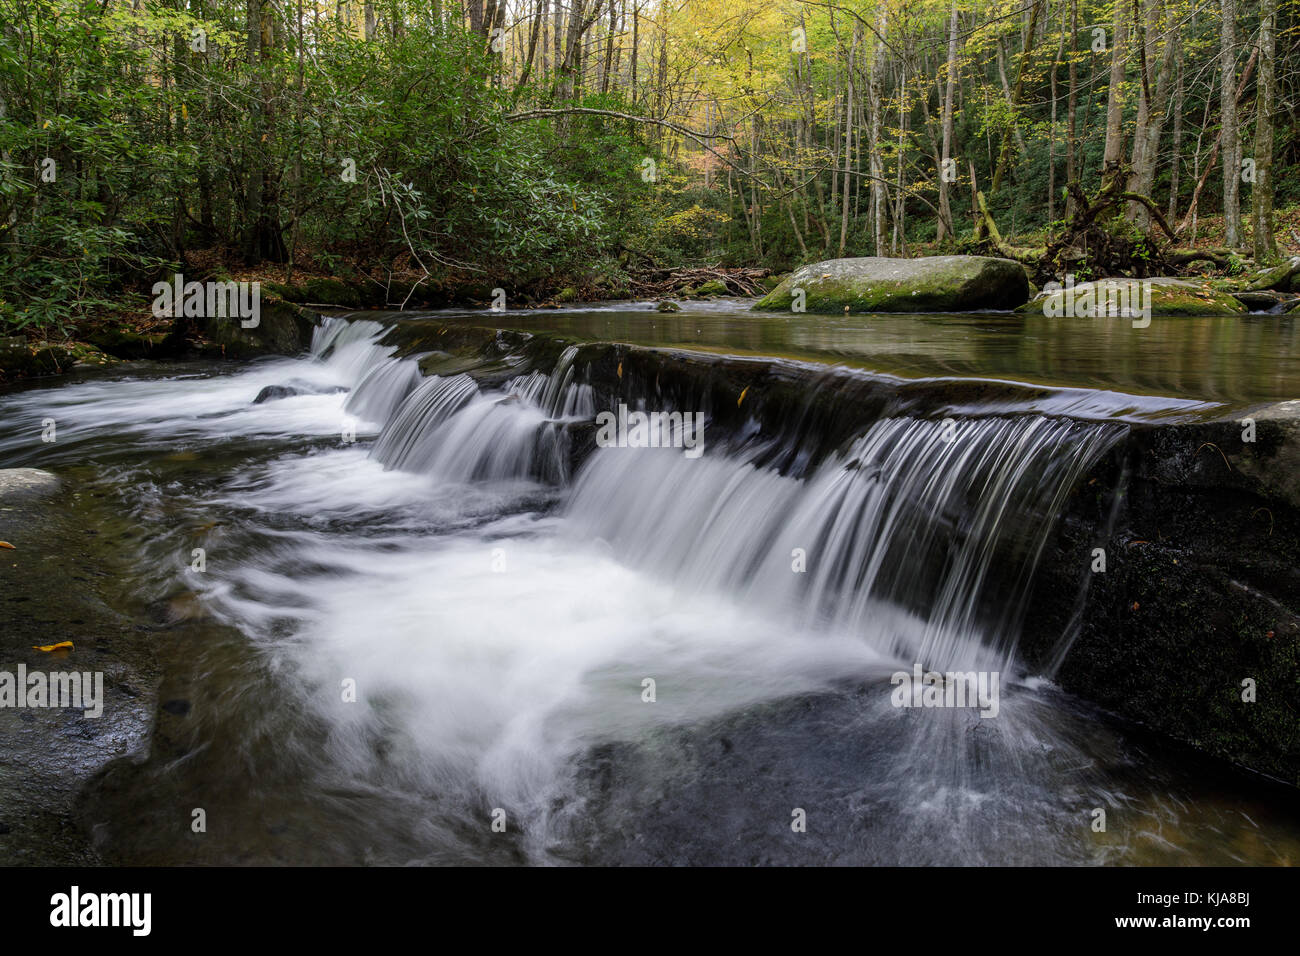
{"x":899,"y":534}
{"x":499,"y":614}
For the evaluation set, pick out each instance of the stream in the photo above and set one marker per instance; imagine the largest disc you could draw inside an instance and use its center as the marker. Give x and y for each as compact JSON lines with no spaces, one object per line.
{"x":417,"y":614}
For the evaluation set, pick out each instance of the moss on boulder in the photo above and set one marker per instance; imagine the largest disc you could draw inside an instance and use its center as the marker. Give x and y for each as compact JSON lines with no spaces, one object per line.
{"x":283,"y":328}
{"x":330,"y":292}
{"x":928,"y":284}
{"x":1164,"y":296}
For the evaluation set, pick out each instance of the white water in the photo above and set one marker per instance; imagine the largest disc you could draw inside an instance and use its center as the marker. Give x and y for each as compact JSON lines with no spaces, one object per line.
{"x":499,"y":622}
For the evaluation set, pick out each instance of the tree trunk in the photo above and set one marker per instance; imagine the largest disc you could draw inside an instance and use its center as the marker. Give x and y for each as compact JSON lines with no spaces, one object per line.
{"x":874,"y":85}
{"x":1072,"y":109}
{"x":945,"y":227}
{"x":1152,"y":105}
{"x":1228,"y":118}
{"x":848,"y":140}
{"x":1113,"y":154}
{"x":1266,"y":93}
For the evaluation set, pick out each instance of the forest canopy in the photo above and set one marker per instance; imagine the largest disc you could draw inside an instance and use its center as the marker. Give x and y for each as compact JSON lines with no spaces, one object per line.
{"x":548,"y":143}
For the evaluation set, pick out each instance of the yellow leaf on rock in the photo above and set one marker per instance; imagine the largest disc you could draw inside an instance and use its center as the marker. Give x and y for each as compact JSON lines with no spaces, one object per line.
{"x":6,"y":544}
{"x":61,"y":646}
{"x":743,"y":392}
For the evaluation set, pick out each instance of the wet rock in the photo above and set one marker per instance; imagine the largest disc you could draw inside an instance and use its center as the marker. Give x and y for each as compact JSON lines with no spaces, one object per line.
{"x":666,"y":306}
{"x":1265,"y":301}
{"x":177,"y":706}
{"x":273,"y":393}
{"x":927,"y":284}
{"x":131,"y":345}
{"x":1199,"y":525}
{"x":26,"y":484}
{"x":282,"y":329}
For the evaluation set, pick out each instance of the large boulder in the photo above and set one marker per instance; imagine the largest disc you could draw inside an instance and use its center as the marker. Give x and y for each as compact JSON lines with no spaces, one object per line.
{"x":928,"y":284}
{"x":282,"y":329}
{"x":1163,"y":296}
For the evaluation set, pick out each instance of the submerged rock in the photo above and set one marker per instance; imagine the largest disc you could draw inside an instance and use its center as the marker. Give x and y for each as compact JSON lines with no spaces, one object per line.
{"x":928,"y":284}
{"x":26,"y":483}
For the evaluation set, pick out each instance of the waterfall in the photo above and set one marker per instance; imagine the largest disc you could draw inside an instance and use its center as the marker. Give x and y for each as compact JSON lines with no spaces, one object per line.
{"x":448,"y":428}
{"x":920,"y":536}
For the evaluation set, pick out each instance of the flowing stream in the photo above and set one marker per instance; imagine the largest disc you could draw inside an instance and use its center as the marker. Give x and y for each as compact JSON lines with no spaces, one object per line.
{"x":430,"y":546}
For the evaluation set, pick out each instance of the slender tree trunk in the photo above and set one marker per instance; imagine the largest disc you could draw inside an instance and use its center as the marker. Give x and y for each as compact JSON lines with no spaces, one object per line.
{"x":1262,"y":189}
{"x":1072,"y":110}
{"x":879,"y":199}
{"x":945,"y":227}
{"x":1175,"y":160}
{"x":1228,"y":118}
{"x":848,"y":140}
{"x":1113,"y":154}
{"x":1152,"y":106}
{"x":636,"y":47}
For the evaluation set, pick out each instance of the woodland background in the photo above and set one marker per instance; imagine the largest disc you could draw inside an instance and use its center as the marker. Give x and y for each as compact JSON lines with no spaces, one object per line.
{"x":544,"y":144}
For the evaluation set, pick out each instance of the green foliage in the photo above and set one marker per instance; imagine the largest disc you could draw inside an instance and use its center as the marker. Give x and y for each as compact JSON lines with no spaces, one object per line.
{"x":339,"y":150}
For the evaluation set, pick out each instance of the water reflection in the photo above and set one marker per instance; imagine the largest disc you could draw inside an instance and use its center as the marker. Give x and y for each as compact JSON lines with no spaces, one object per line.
{"x":1232,"y":359}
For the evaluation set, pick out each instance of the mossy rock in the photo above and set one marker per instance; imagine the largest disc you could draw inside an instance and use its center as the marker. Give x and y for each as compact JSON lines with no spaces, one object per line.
{"x":331,"y":292}
{"x":282,"y":329}
{"x":280,"y":290}
{"x":927,"y":284}
{"x":35,"y":359}
{"x":128,"y":345}
{"x":666,"y":306}
{"x":1280,"y":278}
{"x":768,"y":283}
{"x":567,"y":294}
{"x":713,"y":287}
{"x":1112,"y":297}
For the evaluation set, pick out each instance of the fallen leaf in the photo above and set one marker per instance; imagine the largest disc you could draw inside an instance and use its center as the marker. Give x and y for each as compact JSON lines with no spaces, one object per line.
{"x":61,"y":646}
{"x":743,"y":392}
{"x":7,"y":545}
